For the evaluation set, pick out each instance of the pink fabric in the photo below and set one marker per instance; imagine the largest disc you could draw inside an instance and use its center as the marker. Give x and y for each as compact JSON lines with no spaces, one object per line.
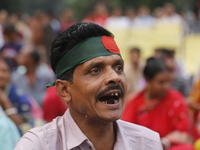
{"x":63,"y":133}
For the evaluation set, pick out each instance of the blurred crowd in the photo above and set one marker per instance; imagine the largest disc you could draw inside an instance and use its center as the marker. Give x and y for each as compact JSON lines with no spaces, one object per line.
{"x":25,"y":42}
{"x":144,"y":18}
{"x":163,"y":98}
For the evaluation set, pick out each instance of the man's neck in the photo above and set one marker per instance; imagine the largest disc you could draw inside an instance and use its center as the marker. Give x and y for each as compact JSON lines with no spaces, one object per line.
{"x":150,"y":97}
{"x":101,"y":134}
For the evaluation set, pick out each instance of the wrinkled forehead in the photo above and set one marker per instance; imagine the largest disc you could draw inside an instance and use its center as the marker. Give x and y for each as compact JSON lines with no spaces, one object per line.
{"x":102,"y":61}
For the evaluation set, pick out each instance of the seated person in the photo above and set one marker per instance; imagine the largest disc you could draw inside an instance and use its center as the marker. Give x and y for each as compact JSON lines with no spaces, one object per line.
{"x":33,"y":79}
{"x":90,"y":78}
{"x":134,"y":71}
{"x":12,"y":45}
{"x":161,"y":108}
{"x":23,"y":104}
{"x":180,"y":80}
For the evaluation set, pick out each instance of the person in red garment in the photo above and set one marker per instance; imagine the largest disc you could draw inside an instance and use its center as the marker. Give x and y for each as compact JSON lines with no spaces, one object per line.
{"x":52,"y":104}
{"x":161,"y":108}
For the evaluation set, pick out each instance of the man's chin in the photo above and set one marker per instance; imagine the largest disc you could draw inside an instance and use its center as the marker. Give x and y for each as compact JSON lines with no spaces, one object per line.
{"x":110,"y":118}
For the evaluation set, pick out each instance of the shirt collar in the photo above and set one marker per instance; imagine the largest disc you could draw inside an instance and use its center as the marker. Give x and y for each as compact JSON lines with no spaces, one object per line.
{"x":121,"y":139}
{"x":74,"y":135}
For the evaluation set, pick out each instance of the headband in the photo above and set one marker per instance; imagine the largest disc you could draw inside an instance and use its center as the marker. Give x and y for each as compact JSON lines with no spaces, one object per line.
{"x":86,"y":50}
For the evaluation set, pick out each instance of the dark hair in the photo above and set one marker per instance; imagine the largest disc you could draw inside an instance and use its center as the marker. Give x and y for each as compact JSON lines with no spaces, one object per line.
{"x":35,"y":56}
{"x":165,"y":52}
{"x":135,"y":49}
{"x":153,"y":67}
{"x":9,"y":29}
{"x":70,"y":38}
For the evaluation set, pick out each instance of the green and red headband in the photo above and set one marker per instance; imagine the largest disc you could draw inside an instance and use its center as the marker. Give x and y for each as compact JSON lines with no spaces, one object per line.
{"x":88,"y":49}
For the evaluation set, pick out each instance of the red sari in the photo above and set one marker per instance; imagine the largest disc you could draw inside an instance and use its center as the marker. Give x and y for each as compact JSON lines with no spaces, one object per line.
{"x":164,"y":116}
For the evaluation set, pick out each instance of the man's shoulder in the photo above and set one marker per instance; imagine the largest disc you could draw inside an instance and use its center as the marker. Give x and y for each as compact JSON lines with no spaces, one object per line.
{"x":46,"y":136}
{"x":131,"y":130}
{"x":51,"y":128}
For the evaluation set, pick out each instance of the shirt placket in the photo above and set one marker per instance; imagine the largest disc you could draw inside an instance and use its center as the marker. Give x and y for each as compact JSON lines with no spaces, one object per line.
{"x":87,"y":145}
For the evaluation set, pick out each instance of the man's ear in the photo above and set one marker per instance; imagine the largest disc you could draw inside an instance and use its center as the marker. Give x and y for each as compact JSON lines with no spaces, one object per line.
{"x":62,"y":87}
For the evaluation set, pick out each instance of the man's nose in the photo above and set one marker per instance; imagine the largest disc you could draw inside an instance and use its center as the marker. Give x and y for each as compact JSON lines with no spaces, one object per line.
{"x":112,"y":77}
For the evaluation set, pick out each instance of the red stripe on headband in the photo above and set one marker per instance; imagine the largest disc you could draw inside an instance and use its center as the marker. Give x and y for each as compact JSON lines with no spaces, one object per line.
{"x":110,"y":44}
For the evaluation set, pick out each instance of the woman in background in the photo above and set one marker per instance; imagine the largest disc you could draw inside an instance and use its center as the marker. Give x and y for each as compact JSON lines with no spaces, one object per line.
{"x":161,"y":108}
{"x":22,"y":109}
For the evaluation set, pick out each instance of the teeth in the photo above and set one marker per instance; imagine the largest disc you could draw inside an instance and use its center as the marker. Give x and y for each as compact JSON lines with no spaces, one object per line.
{"x":112,"y":101}
{"x":116,"y":101}
{"x":114,"y":94}
{"x":107,"y":102}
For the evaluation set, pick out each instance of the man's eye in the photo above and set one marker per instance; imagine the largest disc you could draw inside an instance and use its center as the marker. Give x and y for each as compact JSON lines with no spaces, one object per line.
{"x":119,"y":68}
{"x":96,"y":70}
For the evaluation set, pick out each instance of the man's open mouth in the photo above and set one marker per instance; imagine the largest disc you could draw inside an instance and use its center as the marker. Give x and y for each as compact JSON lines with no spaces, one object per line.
{"x":110,"y":98}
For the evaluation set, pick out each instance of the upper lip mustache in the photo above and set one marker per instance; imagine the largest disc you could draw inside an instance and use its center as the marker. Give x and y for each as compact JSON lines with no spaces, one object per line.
{"x":112,"y":89}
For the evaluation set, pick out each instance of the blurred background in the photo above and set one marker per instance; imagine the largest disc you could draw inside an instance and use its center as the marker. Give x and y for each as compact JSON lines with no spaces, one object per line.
{"x":142,"y":29}
{"x":171,"y":24}
{"x":81,"y":9}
